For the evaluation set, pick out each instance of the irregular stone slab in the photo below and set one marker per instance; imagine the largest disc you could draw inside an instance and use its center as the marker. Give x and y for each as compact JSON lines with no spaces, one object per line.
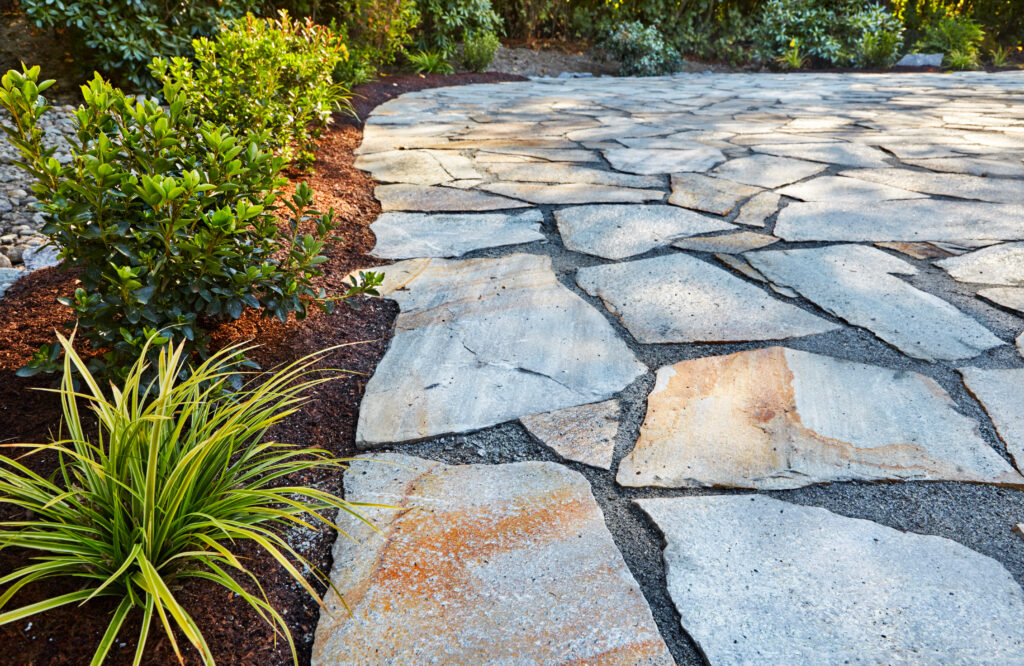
{"x":857,"y":284}
{"x":767,"y":170}
{"x":483,"y":564}
{"x":583,"y":434}
{"x":405,"y":166}
{"x":850,"y":190}
{"x":994,"y":190}
{"x":921,"y":60}
{"x":572,"y":193}
{"x":756,"y":212}
{"x":565,"y":172}
{"x":999,"y":264}
{"x":917,"y":250}
{"x":1020,"y":344}
{"x":660,"y":160}
{"x":975,"y":166}
{"x":679,"y":298}
{"x":913,"y":220}
{"x":410,"y":235}
{"x":8,"y":276}
{"x":845,"y":154}
{"x":483,"y":341}
{"x":1008,"y":297}
{"x":761,"y":581}
{"x":1001,"y":393}
{"x":778,"y":418}
{"x":736,"y":243}
{"x":617,"y":232}
{"x":36,"y":257}
{"x":423,"y":198}
{"x":711,"y":195}
{"x":741,"y":266}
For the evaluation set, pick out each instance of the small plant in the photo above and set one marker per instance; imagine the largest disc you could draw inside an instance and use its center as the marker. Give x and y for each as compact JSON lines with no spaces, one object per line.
{"x":478,"y":50}
{"x":264,"y":75}
{"x":124,"y":35}
{"x":430,"y":62}
{"x":163,"y":490}
{"x":881,"y":37}
{"x":171,"y":219}
{"x":953,"y":34}
{"x":999,"y":55}
{"x":444,"y":22}
{"x":962,"y":60}
{"x":792,"y":58}
{"x":378,"y":30}
{"x":641,"y":50}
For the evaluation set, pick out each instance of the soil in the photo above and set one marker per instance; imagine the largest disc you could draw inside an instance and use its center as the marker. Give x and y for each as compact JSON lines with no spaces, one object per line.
{"x":29,"y":314}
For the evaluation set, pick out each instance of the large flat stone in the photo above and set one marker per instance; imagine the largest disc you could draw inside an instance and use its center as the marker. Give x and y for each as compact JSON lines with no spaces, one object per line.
{"x":767,"y":170}
{"x":410,"y":235}
{"x":619,"y":231}
{"x":711,"y":195}
{"x":482,"y":564}
{"x":1001,"y":393}
{"x":583,"y":434}
{"x":661,"y":160}
{"x":565,"y":172}
{"x":994,"y":190}
{"x":761,"y":581}
{"x":679,"y":298}
{"x":913,"y":220}
{"x":573,"y":193}
{"x":483,"y":341}
{"x":858,"y":284}
{"x":848,"y":190}
{"x":779,"y":418}
{"x":998,"y":264}
{"x":756,"y":212}
{"x":735,"y":243}
{"x":1008,"y":297}
{"x":445,"y":199}
{"x":974,"y":166}
{"x":844,"y":154}
{"x":421,"y":167}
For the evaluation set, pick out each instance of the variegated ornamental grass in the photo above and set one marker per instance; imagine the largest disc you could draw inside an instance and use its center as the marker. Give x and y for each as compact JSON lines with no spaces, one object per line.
{"x":177,"y":471}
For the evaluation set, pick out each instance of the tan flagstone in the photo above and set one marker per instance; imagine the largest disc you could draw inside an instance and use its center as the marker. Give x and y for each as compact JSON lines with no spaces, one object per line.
{"x":711,"y":195}
{"x":1001,"y":393}
{"x":583,"y":434}
{"x":756,"y":212}
{"x":445,"y":199}
{"x":736,"y":243}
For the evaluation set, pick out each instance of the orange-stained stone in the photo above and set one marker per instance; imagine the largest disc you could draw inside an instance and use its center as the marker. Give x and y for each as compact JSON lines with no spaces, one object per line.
{"x":780,"y":418}
{"x":481,"y":564}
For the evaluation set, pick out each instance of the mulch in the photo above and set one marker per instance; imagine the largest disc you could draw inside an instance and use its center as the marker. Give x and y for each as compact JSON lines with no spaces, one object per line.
{"x":29,"y":313}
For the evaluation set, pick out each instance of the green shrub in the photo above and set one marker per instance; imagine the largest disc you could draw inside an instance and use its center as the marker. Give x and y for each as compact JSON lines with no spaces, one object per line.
{"x":1002,"y":19}
{"x":430,"y":62}
{"x":880,"y":37}
{"x":378,"y":30}
{"x":264,"y":75}
{"x":170,"y":218}
{"x":478,"y":50}
{"x":444,"y":22}
{"x":163,"y":491}
{"x":953,"y":34}
{"x":125,"y":35}
{"x":641,"y":50}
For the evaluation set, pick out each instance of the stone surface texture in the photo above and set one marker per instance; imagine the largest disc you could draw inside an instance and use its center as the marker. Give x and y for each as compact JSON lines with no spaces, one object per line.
{"x":779,"y":418}
{"x":481,"y":564}
{"x":411,"y":235}
{"x":1001,"y":393}
{"x":998,"y":264}
{"x":759,"y":580}
{"x":583,"y":434}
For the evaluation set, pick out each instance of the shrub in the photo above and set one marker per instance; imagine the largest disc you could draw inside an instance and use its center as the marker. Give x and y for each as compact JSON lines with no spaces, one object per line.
{"x":170,"y":218}
{"x":443,"y":22}
{"x":378,"y":30}
{"x":881,"y":37}
{"x":430,"y":62}
{"x":163,"y":490}
{"x":125,"y":35}
{"x":478,"y":50}
{"x":264,"y":75}
{"x":962,"y":60}
{"x":953,"y":35}
{"x":641,"y":51}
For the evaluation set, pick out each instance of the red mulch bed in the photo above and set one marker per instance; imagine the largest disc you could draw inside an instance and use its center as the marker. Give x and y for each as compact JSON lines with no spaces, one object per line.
{"x":28,"y":315}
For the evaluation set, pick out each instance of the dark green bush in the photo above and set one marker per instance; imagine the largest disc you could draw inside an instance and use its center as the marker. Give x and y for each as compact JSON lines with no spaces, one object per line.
{"x":478,"y":50}
{"x":958,"y":37}
{"x":270,"y":76}
{"x":444,"y":22}
{"x":125,"y":35}
{"x":1002,"y":19}
{"x":170,"y":218}
{"x":378,"y":30}
{"x":641,"y":50}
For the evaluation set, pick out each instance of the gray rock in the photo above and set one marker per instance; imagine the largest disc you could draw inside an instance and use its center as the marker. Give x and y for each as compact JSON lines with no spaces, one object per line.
{"x":654,"y":161}
{"x":411,"y":235}
{"x":419,"y":198}
{"x":405,"y":166}
{"x":836,"y":189}
{"x":857,"y":284}
{"x":767,"y":170}
{"x":40,"y":256}
{"x":8,"y":276}
{"x":735,"y":243}
{"x":921,"y":60}
{"x":679,"y":298}
{"x":565,"y":172}
{"x":619,"y":231}
{"x":483,"y":341}
{"x":711,"y":195}
{"x":583,"y":434}
{"x":1008,"y":297}
{"x":1001,"y":393}
{"x":971,"y":165}
{"x":993,"y":190}
{"x":779,"y":418}
{"x":912,"y":220}
{"x":572,"y":193}
{"x":756,"y":212}
{"x":761,"y":581}
{"x":497,"y":564}
{"x":844,"y":154}
{"x":998,"y":264}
